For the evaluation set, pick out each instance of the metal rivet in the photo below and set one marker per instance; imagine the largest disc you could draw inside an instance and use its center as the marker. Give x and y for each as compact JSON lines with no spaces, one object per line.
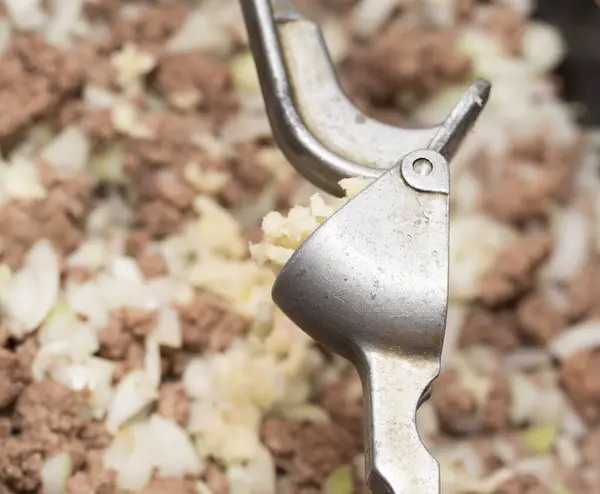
{"x":422,"y":167}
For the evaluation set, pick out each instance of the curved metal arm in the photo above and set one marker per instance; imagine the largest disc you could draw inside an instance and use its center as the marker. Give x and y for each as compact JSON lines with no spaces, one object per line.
{"x":323,"y":135}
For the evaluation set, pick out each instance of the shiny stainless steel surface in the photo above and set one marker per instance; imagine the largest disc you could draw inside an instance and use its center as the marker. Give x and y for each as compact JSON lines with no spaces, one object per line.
{"x":316,"y":126}
{"x":372,"y":282}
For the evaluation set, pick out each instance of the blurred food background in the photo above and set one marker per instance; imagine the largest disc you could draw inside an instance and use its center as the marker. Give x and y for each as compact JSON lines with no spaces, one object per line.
{"x":578,"y":22}
{"x":141,"y":351}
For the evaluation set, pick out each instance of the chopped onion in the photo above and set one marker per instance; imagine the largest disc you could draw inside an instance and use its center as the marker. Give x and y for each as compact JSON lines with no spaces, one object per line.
{"x":5,"y":35}
{"x":33,"y":290}
{"x":185,"y":100}
{"x":78,"y":370}
{"x":455,"y":318}
{"x":116,"y":292}
{"x":245,"y":126}
{"x":505,"y":68}
{"x":56,"y":473}
{"x":108,"y":166}
{"x":584,"y":336}
{"x":370,"y":15}
{"x":525,"y":395}
{"x":441,"y":12}
{"x":86,"y":300}
{"x":205,"y":415}
{"x":21,"y":180}
{"x":5,"y":277}
{"x":202,"y":488}
{"x":127,"y":120}
{"x":126,"y":269}
{"x":130,"y":455}
{"x":251,"y":214}
{"x":198,"y":378}
{"x":551,"y":407}
{"x":168,"y":328}
{"x":64,"y":19}
{"x":110,"y":215}
{"x":358,"y":462}
{"x":242,"y":283}
{"x":98,"y":98}
{"x":133,"y":394}
{"x":218,"y":229}
{"x":256,"y":477}
{"x":482,"y":359}
{"x":37,"y":136}
{"x":540,"y":466}
{"x":557,"y":295}
{"x":131,"y":64}
{"x":572,"y":424}
{"x":242,"y":375}
{"x":69,"y":152}
{"x":437,"y":107}
{"x":337,"y":40}
{"x":477,"y":384}
{"x":568,"y":452}
{"x":245,"y":75}
{"x":490,"y":483}
{"x":92,"y":254}
{"x":571,"y":231}
{"x":504,"y":449}
{"x":174,"y":454}
{"x":201,"y":32}
{"x":152,"y":363}
{"x":475,"y":243}
{"x":272,"y":160}
{"x":211,"y":145}
{"x":305,"y":412}
{"x":227,"y":431}
{"x":65,"y":326}
{"x":479,"y":45}
{"x":564,"y":130}
{"x":462,"y":453}
{"x":27,"y":15}
{"x":468,"y":193}
{"x":167,"y":289}
{"x":527,"y":359}
{"x":543,"y":46}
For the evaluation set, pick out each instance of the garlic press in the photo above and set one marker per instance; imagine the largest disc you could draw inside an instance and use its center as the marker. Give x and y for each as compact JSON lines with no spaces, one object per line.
{"x":371,"y":283}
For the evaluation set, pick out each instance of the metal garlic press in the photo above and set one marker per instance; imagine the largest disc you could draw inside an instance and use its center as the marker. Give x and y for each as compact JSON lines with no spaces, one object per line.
{"x":371,"y":283}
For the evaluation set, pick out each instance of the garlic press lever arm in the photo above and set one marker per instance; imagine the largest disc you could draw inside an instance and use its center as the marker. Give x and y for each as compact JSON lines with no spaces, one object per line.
{"x":322,"y":134}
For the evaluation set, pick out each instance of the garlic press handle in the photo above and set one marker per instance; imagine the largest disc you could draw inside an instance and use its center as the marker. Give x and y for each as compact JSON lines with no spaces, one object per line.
{"x":322,"y":134}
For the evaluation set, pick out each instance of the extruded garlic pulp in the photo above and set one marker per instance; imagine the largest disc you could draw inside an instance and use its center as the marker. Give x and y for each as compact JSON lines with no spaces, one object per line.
{"x":284,"y":234}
